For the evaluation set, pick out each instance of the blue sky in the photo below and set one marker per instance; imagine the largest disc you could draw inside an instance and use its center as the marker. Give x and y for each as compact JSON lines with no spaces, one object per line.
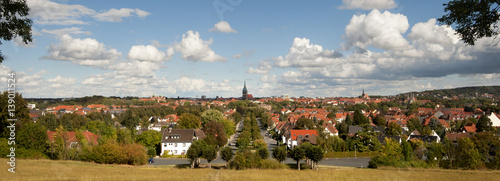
{"x":194,"y":48}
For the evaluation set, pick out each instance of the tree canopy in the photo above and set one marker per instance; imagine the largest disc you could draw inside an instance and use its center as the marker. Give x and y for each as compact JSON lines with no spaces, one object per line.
{"x":474,"y":19}
{"x":14,"y":21}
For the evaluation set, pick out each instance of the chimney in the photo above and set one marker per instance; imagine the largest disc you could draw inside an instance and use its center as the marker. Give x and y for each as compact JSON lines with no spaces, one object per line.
{"x":169,"y":129}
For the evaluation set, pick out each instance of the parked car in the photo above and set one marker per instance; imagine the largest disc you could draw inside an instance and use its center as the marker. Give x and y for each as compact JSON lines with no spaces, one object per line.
{"x":151,"y":160}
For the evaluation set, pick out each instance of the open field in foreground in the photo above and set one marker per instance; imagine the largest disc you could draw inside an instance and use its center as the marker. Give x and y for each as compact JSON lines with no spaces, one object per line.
{"x":74,"y":170}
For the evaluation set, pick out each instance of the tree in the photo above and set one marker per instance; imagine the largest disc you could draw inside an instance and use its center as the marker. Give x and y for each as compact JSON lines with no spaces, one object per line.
{"x":474,"y":19}
{"x":14,"y":21}
{"x":348,"y":120}
{"x":414,"y":124}
{"x":379,"y":120}
{"x":342,"y":127}
{"x":211,"y":115}
{"x":32,"y":136}
{"x":359,"y":118}
{"x":226,"y":154}
{"x":149,"y":138}
{"x":189,"y":121}
{"x":406,"y":150}
{"x":393,"y":129}
{"x":316,"y":154}
{"x":483,"y":124}
{"x":263,"y":152}
{"x":195,"y":151}
{"x":468,"y":155}
{"x":209,"y":153}
{"x":304,"y":123}
{"x":216,"y":130}
{"x":279,"y":153}
{"x":297,"y":154}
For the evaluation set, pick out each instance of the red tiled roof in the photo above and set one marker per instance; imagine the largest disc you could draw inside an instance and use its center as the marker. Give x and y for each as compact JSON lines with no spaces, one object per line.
{"x":295,"y":133}
{"x":71,"y":136}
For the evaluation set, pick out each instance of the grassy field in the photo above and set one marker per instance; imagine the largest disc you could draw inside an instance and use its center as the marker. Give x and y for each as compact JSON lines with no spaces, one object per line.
{"x":73,"y":170}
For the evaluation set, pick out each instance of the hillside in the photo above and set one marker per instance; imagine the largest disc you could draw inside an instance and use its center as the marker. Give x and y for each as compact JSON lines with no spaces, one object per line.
{"x":460,"y":92}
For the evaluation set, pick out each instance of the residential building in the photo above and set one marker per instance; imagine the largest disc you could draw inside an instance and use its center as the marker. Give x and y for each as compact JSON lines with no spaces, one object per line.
{"x":178,"y":141}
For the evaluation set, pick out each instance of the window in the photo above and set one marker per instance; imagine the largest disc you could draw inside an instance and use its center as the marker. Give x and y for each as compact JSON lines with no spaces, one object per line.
{"x":175,"y":145}
{"x":183,"y":144}
{"x":165,"y":145}
{"x":175,"y":151}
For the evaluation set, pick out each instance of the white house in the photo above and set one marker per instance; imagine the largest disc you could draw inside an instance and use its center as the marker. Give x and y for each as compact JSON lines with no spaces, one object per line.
{"x":178,"y":141}
{"x":294,"y":138}
{"x":495,"y":121}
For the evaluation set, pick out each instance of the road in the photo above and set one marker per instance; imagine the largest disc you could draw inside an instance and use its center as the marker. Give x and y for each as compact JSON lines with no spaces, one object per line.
{"x":271,"y":144}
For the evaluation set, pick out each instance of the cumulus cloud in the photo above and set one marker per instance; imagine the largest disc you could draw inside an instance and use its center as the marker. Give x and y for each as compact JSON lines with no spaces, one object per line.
{"x":51,"y":13}
{"x":244,"y":53}
{"x":381,"y":30}
{"x":60,"y":81}
{"x":264,"y":68}
{"x":117,"y":15}
{"x":304,"y":54}
{"x":81,"y":51}
{"x":68,"y":31}
{"x":194,"y":48}
{"x":368,"y":4}
{"x":148,"y":53}
{"x":47,"y":12}
{"x":224,"y":27}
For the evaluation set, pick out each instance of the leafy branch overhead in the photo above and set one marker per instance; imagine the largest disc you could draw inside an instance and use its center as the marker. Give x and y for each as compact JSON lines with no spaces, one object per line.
{"x":14,"y":21}
{"x":474,"y":19}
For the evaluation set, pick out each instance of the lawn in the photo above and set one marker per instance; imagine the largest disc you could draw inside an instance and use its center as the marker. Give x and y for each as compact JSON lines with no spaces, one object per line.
{"x":74,"y":170}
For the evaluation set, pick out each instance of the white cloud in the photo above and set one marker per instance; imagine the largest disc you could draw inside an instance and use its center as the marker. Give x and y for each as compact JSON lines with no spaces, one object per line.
{"x":304,"y":54}
{"x":47,"y":12}
{"x":381,"y":30}
{"x":237,"y":56}
{"x":51,"y":13}
{"x":368,"y":4}
{"x":81,"y":51}
{"x":68,"y":31}
{"x":224,"y":27}
{"x":135,"y":68}
{"x":59,"y":81}
{"x":264,"y":68}
{"x":194,"y":48}
{"x":117,"y":15}
{"x":148,"y":53}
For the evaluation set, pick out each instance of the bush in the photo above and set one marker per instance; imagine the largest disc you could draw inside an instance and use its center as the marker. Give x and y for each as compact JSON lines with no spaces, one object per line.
{"x":271,"y":164}
{"x":112,"y":153}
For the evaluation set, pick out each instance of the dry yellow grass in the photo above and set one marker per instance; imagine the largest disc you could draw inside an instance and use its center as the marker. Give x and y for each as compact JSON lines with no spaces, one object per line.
{"x":73,"y":170}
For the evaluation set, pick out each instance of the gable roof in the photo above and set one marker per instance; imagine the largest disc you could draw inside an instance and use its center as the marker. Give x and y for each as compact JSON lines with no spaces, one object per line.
{"x":71,"y":136}
{"x":181,"y":135}
{"x":295,"y":133}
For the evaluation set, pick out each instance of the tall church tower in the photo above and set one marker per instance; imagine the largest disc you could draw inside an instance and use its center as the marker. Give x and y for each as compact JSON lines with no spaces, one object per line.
{"x":245,"y":92}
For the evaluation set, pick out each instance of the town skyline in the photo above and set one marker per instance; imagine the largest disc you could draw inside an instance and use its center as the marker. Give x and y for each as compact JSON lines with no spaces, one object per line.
{"x":185,"y":49}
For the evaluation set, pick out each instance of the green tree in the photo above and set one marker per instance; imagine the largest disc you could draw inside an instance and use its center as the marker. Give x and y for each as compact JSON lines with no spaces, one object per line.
{"x":316,"y":154}
{"x":406,"y":150}
{"x":468,"y":155}
{"x":14,"y":22}
{"x":263,"y":152}
{"x":359,"y":118}
{"x":226,"y":154}
{"x":189,"y":121}
{"x":379,"y":120}
{"x":279,"y":153}
{"x":473,"y":19}
{"x":304,"y":123}
{"x":348,"y":120}
{"x":297,"y":154}
{"x":414,"y":124}
{"x":149,"y":138}
{"x":216,"y":130}
{"x":32,"y":136}
{"x":211,"y":115}
{"x":342,"y":127}
{"x":124,"y":136}
{"x":393,"y":129}
{"x":483,"y":124}
{"x":209,"y":153}
{"x":435,"y":152}
{"x":195,"y":152}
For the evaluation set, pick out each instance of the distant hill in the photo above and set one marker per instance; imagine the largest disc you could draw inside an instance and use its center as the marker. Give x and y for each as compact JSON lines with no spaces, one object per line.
{"x":461,"y":92}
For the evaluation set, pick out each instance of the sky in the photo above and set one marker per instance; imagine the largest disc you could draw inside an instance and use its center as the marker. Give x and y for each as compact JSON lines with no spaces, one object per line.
{"x":194,"y":48}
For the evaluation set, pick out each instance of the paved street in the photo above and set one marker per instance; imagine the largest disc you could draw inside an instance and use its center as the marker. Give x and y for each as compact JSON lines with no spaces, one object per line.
{"x":271,"y":143}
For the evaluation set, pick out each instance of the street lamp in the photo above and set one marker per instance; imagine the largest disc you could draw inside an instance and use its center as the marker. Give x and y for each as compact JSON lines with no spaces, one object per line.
{"x":355,"y":151}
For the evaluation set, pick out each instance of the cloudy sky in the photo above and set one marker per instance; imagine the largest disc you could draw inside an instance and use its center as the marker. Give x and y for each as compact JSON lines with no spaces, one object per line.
{"x":299,"y":48}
